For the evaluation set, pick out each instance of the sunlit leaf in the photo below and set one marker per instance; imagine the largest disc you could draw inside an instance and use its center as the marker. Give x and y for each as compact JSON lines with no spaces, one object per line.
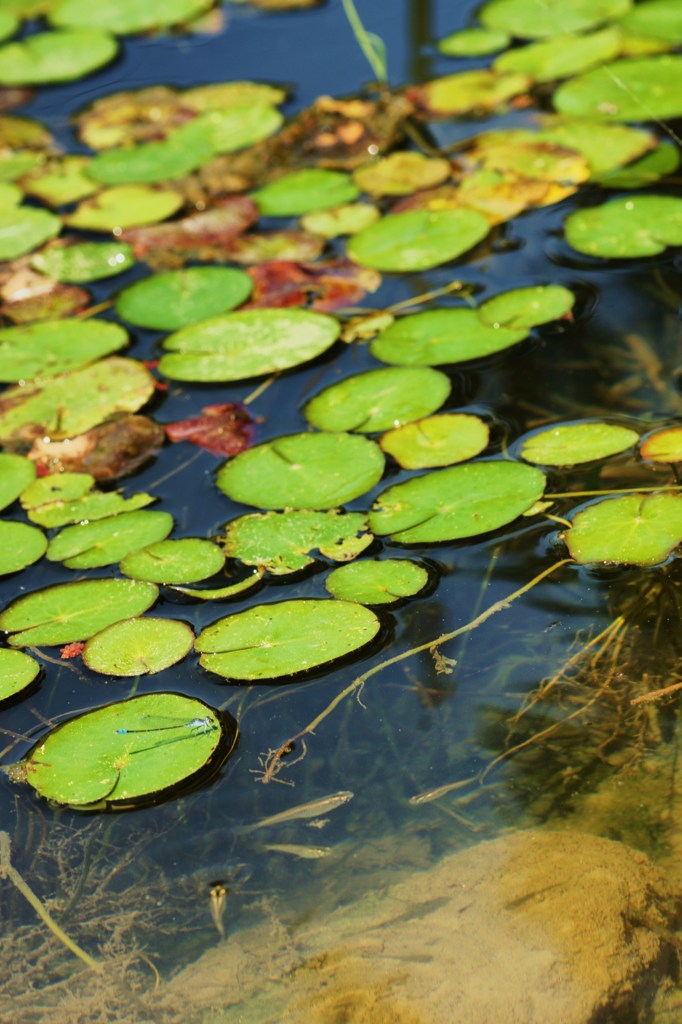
{"x":473,"y":42}
{"x":639,"y":529}
{"x":55,"y":56}
{"x":16,"y":473}
{"x":261,"y":246}
{"x":64,"y":498}
{"x":468,"y":92}
{"x":106,"y":541}
{"x":533,"y":19}
{"x":523,"y":308}
{"x":605,"y":146}
{"x":88,"y":261}
{"x":661,"y":19}
{"x":340,"y":220}
{"x":661,"y":446}
{"x":138,"y":647}
{"x":436,"y":441}
{"x":20,"y":545}
{"x":562,"y":55}
{"x":627,"y":227}
{"x":24,"y":228}
{"x":441,"y":336}
{"x":401,"y":173}
{"x":417,"y":239}
{"x":649,"y":169}
{"x":123,"y":17}
{"x":124,"y":206}
{"x":377,"y":581}
{"x":573,"y":443}
{"x":303,"y":191}
{"x":63,"y":180}
{"x":167,"y":302}
{"x":636,"y":89}
{"x":53,"y":347}
{"x":17,"y":672}
{"x":174,"y":561}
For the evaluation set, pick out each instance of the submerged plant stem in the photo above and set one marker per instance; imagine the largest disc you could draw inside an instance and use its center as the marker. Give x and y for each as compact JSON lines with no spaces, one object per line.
{"x":371,"y":45}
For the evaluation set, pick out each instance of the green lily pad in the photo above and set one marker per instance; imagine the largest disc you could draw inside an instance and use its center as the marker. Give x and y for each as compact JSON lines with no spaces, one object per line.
{"x":436,"y":441}
{"x":450,"y":504}
{"x":106,"y":541}
{"x":136,"y":647}
{"x":627,"y":227}
{"x":124,"y":17}
{"x":175,"y":561}
{"x":377,"y":582}
{"x":10,"y":195}
{"x":272,"y":641}
{"x":340,"y":220}
{"x":473,"y":42}
{"x":534,"y":19}
{"x":523,"y":308}
{"x":635,"y":89}
{"x":639,"y":529}
{"x":441,"y":336}
{"x":55,"y":57}
{"x":379,"y":399}
{"x":23,"y":228}
{"x":89,"y":261}
{"x":167,"y":302}
{"x":124,"y":753}
{"x":74,"y":611}
{"x":176,"y":156}
{"x":125,"y":206}
{"x":649,"y":169}
{"x":20,"y":545}
{"x":63,"y":498}
{"x":16,"y":473}
{"x":605,"y":146}
{"x":242,"y":125}
{"x":563,"y":55}
{"x":73,"y":402}
{"x":417,"y":239}
{"x":16,"y":164}
{"x":281,"y":542}
{"x":17,"y":672}
{"x":310,"y":189}
{"x":8,"y":24}
{"x":254,"y":343}
{"x":61,"y":181}
{"x":55,"y":346}
{"x":661,"y":19}
{"x":574,"y":443}
{"x":663,"y":446}
{"x":471,"y":92}
{"x":401,"y":174}
{"x":313,"y":471}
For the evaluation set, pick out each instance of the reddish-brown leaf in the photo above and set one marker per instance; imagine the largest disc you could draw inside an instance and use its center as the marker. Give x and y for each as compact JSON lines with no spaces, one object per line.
{"x":109,"y":451}
{"x":321,"y":286}
{"x":223,"y":429}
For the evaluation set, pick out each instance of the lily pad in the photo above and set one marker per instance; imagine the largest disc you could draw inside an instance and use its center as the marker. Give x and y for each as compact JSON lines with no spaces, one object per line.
{"x":534,"y":19}
{"x":401,"y":174}
{"x":627,"y":227}
{"x":175,"y":561}
{"x":252,"y":343}
{"x":63,"y":180}
{"x":563,"y":55}
{"x":17,"y":672}
{"x":74,"y":611}
{"x":436,"y":441}
{"x":261,"y":246}
{"x":340,"y":220}
{"x":379,"y":399}
{"x":125,"y":206}
{"x":106,"y":541}
{"x":55,"y":346}
{"x":182,"y":152}
{"x":523,"y":308}
{"x":282,"y":542}
{"x":134,"y":750}
{"x":24,"y":228}
{"x":302,"y":191}
{"x":136,"y":647}
{"x":16,"y":473}
{"x":473,"y":42}
{"x":242,"y":125}
{"x":303,"y":471}
{"x":660,"y":19}
{"x":417,"y":239}
{"x":167,"y":302}
{"x":605,"y":146}
{"x":377,"y":581}
{"x":63,"y":498}
{"x":73,"y":402}
{"x":272,"y":641}
{"x":574,"y":443}
{"x":649,"y":169}
{"x":470,"y":92}
{"x":450,"y":504}
{"x":661,"y":446}
{"x":55,"y":56}
{"x":635,"y":89}
{"x":441,"y":336}
{"x":124,"y":17}
{"x":20,"y":545}
{"x":639,"y":529}
{"x":88,"y":261}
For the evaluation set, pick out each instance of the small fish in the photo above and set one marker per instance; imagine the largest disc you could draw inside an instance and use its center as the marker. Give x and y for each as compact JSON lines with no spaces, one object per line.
{"x":307,"y":852}
{"x":218,"y":902}
{"x":313,"y":809}
{"x":433,"y":794}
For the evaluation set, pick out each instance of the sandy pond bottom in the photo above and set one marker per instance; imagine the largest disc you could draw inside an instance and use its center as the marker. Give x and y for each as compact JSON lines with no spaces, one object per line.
{"x":536,"y":927}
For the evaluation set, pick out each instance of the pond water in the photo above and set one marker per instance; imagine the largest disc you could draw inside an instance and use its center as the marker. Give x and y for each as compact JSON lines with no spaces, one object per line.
{"x":527,"y":724}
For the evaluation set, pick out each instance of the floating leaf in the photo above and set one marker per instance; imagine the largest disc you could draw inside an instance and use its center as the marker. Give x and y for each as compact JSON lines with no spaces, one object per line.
{"x":20,"y":545}
{"x":73,"y":402}
{"x":377,"y":582}
{"x":137,"y":647}
{"x":123,"y":753}
{"x":450,"y":504}
{"x":124,"y":17}
{"x":108,"y":540}
{"x":649,"y":169}
{"x":89,"y":261}
{"x":125,"y":206}
{"x":605,"y":146}
{"x":8,"y":24}
{"x":221,"y":593}
{"x":533,"y":19}
{"x":468,"y":92}
{"x":523,"y":308}
{"x":526,"y":154}
{"x":17,"y":672}
{"x":378,"y":400}
{"x":223,"y":429}
{"x":30,"y":297}
{"x":574,"y":443}
{"x":109,"y":451}
{"x":323,"y":287}
{"x":627,"y":227}
{"x":242,"y":125}
{"x":640,"y":529}
{"x":441,"y":336}
{"x":400,"y":174}
{"x":310,"y":189}
{"x":260,"y":246}
{"x":272,"y":641}
{"x":661,"y":19}
{"x":167,"y":302}
{"x":182,"y":152}
{"x":16,"y":473}
{"x":200,"y":236}
{"x":55,"y":57}
{"x":473,"y":42}
{"x":24,"y":228}
{"x":417,"y":239}
{"x":436,"y":441}
{"x":65,"y":498}
{"x":340,"y":220}
{"x":46,"y":349}
{"x":62,"y":180}
{"x":313,"y":471}
{"x":635,"y":89}
{"x":563,"y":55}
{"x":281,"y":542}
{"x":175,"y":561}
{"x":74,"y":611}
{"x":237,"y":346}
{"x":661,"y":446}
